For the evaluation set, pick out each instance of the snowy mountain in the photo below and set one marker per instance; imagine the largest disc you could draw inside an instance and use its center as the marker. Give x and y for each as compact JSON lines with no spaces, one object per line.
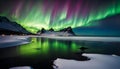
{"x":8,"y":27}
{"x":64,"y":32}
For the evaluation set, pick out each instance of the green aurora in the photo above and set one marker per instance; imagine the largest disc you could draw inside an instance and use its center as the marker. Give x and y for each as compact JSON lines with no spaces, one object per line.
{"x":56,"y":14}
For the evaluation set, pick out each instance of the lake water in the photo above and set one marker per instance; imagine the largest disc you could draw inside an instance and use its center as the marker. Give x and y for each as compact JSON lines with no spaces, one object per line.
{"x":44,"y":53}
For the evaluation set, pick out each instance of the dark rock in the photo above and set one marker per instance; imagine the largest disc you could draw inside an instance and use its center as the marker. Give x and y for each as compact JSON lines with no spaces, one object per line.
{"x":9,"y":27}
{"x":4,"y":19}
{"x":51,"y":29}
{"x":41,"y":31}
{"x":68,"y":30}
{"x":64,"y":32}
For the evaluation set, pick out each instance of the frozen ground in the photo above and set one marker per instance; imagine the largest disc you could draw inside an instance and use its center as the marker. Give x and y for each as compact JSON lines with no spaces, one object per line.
{"x":98,"y":61}
{"x":104,"y":39}
{"x":21,"y":67}
{"x":8,"y":41}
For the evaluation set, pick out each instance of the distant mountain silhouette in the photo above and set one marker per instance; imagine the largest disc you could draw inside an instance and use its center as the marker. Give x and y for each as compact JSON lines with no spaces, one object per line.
{"x":51,"y":29}
{"x":9,"y":27}
{"x":41,"y":31}
{"x":68,"y":30}
{"x":64,"y":32}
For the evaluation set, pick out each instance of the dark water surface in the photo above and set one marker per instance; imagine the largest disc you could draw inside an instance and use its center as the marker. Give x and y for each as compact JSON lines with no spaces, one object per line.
{"x":41,"y":53}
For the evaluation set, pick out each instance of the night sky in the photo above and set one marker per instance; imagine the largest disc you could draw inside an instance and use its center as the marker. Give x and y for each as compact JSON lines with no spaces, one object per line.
{"x":58,"y":14}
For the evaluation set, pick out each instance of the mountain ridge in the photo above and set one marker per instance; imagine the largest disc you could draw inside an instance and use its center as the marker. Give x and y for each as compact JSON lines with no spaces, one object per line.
{"x":13,"y":27}
{"x":63,"y":32}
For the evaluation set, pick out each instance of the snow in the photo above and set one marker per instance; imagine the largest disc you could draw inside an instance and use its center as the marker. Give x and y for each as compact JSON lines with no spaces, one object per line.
{"x":49,"y":33}
{"x":9,"y":41}
{"x":22,"y":67}
{"x":79,"y":38}
{"x":98,"y":61}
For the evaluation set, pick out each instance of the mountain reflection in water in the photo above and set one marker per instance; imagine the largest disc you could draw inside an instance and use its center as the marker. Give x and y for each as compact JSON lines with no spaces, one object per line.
{"x":41,"y":53}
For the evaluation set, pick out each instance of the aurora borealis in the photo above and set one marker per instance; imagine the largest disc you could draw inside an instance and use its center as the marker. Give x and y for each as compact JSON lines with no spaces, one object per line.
{"x":57,"y":14}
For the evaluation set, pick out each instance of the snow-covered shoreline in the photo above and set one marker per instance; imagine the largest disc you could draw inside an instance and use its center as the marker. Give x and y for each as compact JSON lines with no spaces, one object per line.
{"x":80,"y":38}
{"x":9,"y":41}
{"x":98,"y":61}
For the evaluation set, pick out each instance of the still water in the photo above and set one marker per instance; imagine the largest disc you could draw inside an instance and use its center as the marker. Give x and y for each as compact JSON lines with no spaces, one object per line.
{"x":41,"y":53}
